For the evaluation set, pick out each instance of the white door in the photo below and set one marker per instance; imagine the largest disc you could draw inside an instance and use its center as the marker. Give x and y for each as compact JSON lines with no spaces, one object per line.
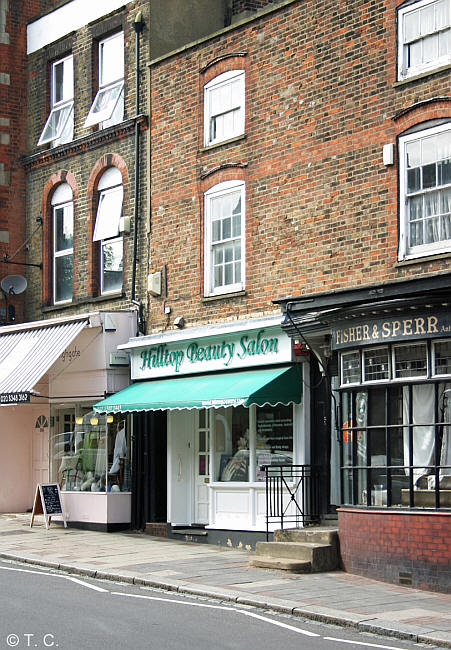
{"x":40,"y":452}
{"x":180,"y":452}
{"x":202,"y":468}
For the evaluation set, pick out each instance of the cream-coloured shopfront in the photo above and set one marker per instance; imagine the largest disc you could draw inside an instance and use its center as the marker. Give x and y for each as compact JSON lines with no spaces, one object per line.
{"x":51,"y":374}
{"x":234,"y":398}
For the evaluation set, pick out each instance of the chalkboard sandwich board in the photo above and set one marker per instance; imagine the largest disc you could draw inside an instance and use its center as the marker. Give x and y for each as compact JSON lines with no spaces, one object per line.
{"x":47,"y":502}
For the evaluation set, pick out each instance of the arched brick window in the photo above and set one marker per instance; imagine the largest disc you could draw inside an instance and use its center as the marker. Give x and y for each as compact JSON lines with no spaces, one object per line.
{"x":59,"y":238}
{"x":107,"y":189}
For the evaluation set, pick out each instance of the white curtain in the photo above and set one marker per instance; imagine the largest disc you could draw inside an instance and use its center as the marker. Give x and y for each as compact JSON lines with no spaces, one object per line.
{"x":423,"y":430}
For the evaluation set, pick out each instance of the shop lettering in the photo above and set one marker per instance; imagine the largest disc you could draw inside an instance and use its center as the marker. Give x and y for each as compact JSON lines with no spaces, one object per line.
{"x":389,"y":330}
{"x":258,"y":345}
{"x":196,"y":352}
{"x":70,"y":355}
{"x":160,"y":357}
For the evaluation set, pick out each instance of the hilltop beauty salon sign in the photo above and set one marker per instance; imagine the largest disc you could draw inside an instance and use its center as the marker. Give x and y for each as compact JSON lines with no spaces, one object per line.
{"x":236,"y":350}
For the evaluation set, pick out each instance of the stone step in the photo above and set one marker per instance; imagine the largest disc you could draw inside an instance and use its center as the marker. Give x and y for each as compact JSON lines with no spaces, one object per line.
{"x":320,"y":535}
{"x":322,"y":557}
{"x":284,"y":564}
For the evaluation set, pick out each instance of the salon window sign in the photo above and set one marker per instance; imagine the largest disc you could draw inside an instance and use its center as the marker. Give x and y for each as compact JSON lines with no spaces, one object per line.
{"x":394,"y":328}
{"x":237,"y":350}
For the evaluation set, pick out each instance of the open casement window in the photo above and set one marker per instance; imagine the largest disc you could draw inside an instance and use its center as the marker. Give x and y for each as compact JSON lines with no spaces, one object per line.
{"x":106,"y":230}
{"x":59,"y":127}
{"x":63,"y":237}
{"x":425,"y":192}
{"x":424,"y":34}
{"x":224,"y":107}
{"x":224,"y":238}
{"x":108,"y":105}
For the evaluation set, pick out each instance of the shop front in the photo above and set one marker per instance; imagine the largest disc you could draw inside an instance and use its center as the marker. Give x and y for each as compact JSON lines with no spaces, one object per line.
{"x":233,"y":399}
{"x":51,"y":374}
{"x":390,"y":366}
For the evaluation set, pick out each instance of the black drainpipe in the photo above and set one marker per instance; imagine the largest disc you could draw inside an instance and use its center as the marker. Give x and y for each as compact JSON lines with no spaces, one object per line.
{"x":138,"y":26}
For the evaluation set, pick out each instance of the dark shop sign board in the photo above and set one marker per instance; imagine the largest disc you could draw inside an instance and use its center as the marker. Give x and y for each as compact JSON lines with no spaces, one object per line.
{"x":47,"y":502}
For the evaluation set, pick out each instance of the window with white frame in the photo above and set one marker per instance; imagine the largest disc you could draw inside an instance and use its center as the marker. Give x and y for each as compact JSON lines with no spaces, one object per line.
{"x":224,"y":238}
{"x":59,"y":127}
{"x":224,"y":107}
{"x":108,"y":105}
{"x":63,"y":241}
{"x":106,"y":230}
{"x":424,"y":35}
{"x":425,"y":192}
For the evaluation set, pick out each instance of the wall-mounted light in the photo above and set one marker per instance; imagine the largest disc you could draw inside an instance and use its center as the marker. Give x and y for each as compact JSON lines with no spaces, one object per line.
{"x":94,"y":420}
{"x":110,"y":419}
{"x":79,"y":419}
{"x":179,"y":322}
{"x":388,"y":154}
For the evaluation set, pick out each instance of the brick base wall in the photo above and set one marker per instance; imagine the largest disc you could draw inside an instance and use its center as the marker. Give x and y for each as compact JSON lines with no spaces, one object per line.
{"x":410,"y":548}
{"x":157,"y":529}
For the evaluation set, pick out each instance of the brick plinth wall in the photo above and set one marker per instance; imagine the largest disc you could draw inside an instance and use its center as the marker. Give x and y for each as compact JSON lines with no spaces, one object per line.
{"x":410,"y":548}
{"x":157,"y":529}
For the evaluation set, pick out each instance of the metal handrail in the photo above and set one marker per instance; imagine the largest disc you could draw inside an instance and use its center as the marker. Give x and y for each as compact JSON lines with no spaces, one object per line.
{"x":292,"y":495}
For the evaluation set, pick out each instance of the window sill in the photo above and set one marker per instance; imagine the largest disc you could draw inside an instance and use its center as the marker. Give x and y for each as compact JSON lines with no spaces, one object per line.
{"x":224,"y":296}
{"x":420,"y":260}
{"x":82,"y":301}
{"x":421,"y":75}
{"x":238,"y":138}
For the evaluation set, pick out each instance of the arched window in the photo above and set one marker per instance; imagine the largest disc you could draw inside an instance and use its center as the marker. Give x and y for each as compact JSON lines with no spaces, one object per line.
{"x":62,"y":243}
{"x":106,"y":231}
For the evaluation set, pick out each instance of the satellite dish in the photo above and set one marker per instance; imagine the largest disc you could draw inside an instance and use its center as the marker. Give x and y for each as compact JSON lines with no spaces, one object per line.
{"x":13,"y":284}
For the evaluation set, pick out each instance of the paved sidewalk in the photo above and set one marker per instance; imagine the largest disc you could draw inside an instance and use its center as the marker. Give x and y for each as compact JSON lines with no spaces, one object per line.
{"x":223,"y":573}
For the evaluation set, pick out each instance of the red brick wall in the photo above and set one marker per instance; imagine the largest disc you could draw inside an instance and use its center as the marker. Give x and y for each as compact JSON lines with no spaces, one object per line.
{"x":399,"y":547}
{"x":321,"y":208}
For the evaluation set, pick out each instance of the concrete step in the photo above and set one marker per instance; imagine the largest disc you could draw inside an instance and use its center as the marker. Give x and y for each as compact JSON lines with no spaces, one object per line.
{"x":285,"y":564}
{"x":322,"y":557}
{"x":318,"y":534}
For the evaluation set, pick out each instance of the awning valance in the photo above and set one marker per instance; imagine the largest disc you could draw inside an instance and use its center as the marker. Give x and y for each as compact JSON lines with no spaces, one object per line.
{"x":26,"y":355}
{"x":277,"y":385}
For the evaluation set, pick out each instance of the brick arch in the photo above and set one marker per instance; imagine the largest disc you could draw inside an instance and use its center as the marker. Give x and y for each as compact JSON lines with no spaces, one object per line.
{"x":431,"y":109}
{"x":93,"y":261}
{"x":61,"y":176}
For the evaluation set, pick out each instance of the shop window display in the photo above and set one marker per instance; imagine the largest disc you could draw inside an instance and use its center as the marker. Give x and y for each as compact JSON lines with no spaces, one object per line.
{"x":270,"y":443}
{"x":397,"y":438}
{"x":90,"y":452}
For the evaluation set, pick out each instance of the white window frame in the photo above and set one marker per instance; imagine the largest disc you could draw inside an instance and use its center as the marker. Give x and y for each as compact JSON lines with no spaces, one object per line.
{"x":404,"y":70}
{"x":62,"y":199}
{"x":111,"y":89}
{"x":343,"y":356}
{"x":367,"y":351}
{"x":433,"y":361}
{"x":218,"y":191}
{"x":232,"y":77}
{"x":406,"y":251}
{"x":62,"y":110}
{"x":107,"y":225}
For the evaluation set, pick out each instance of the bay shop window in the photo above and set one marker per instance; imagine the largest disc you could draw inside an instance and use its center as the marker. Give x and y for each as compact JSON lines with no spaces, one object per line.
{"x":396,"y":425}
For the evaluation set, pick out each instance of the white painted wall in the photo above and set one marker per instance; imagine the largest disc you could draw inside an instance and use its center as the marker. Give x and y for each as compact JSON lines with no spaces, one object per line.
{"x":66,"y":19}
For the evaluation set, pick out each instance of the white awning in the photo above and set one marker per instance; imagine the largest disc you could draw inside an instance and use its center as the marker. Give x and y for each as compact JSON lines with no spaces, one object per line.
{"x":27,"y":354}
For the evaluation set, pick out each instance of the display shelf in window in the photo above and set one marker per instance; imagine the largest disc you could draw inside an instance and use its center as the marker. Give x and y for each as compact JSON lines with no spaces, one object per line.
{"x":410,"y":361}
{"x":350,"y":368}
{"x":376,"y":364}
{"x":441,"y":358}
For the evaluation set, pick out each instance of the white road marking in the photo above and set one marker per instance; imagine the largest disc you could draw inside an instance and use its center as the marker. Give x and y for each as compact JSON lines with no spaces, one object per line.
{"x":221,"y":607}
{"x":371,"y":645}
{"x":55,"y":575}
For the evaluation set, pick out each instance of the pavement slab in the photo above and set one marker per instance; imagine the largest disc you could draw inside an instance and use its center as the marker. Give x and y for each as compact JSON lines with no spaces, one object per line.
{"x":224,"y":573}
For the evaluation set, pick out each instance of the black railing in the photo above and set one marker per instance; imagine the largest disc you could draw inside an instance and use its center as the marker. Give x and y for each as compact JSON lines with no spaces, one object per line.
{"x":292,"y":495}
